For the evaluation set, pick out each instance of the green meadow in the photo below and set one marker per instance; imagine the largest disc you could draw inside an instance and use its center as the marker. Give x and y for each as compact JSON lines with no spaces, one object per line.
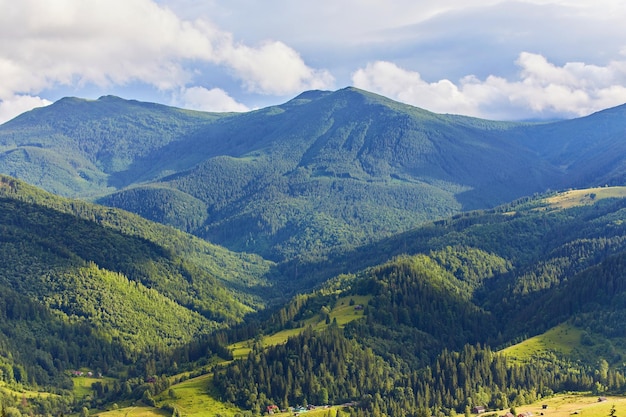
{"x":562,"y":339}
{"x":584,"y":197}
{"x":343,"y":313}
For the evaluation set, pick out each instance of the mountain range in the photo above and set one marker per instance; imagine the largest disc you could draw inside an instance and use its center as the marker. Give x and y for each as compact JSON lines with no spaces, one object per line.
{"x":141,"y":240}
{"x":323,"y":171}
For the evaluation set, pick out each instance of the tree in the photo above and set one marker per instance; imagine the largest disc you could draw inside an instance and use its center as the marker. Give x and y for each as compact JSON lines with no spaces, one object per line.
{"x":13,"y":412}
{"x":323,"y":396}
{"x":603,"y":370}
{"x":147,"y":399}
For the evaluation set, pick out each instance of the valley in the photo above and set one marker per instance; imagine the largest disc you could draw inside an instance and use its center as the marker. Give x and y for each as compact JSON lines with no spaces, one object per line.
{"x":338,"y":248}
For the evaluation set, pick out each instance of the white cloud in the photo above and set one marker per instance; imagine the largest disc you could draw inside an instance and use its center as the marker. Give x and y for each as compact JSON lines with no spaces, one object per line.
{"x":274,"y":68}
{"x":542,"y":89}
{"x":71,"y":42}
{"x":79,"y":43}
{"x":213,"y":100}
{"x":13,"y":106}
{"x":261,"y":52}
{"x":392,"y":81}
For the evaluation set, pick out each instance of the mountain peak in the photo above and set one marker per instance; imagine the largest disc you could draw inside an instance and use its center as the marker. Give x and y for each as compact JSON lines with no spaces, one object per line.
{"x":312,"y":95}
{"x":110,"y":97}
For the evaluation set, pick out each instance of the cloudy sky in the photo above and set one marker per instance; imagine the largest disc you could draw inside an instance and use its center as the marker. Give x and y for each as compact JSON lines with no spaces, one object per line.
{"x":504,"y":60}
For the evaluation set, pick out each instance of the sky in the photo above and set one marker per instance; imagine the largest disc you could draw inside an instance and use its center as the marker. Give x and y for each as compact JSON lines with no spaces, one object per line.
{"x":501,"y":60}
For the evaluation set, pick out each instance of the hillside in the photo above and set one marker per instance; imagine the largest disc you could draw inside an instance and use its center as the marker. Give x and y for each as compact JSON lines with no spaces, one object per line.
{"x":469,"y":285}
{"x":325,"y":170}
{"x":354,"y":199}
{"x":89,"y":286}
{"x":416,"y":313}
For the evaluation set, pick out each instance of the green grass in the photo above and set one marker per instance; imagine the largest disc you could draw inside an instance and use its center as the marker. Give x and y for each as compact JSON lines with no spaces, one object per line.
{"x":584,"y":197}
{"x":82,"y":385}
{"x":193,"y":398}
{"x":22,"y":393}
{"x":196,"y":398}
{"x":562,"y":339}
{"x":583,"y":405}
{"x":343,"y":312}
{"x":142,"y":411}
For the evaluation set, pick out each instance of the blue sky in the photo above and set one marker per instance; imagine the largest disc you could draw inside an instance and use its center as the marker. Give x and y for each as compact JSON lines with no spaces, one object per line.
{"x":505,"y":60}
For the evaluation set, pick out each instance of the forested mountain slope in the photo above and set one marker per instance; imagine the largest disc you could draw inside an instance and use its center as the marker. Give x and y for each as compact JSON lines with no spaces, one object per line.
{"x":79,"y":147}
{"x":323,"y":171}
{"x":90,"y":286}
{"x":589,"y":150}
{"x":329,"y":170}
{"x":436,"y":316}
{"x":95,"y":287}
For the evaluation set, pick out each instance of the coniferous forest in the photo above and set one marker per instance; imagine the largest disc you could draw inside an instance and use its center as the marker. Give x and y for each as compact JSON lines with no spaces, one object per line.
{"x":340,"y":249}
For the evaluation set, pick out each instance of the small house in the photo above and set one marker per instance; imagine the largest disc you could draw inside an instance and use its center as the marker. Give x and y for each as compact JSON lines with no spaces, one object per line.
{"x":479,"y":409}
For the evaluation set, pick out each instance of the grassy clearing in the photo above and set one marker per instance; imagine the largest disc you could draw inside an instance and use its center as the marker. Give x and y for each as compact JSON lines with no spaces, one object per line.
{"x":142,"y":411}
{"x":584,"y":197}
{"x":193,"y":398}
{"x":82,"y":385}
{"x":343,"y":313}
{"x":562,"y":339}
{"x":23,"y":393}
{"x":196,"y":398}
{"x":567,"y":405}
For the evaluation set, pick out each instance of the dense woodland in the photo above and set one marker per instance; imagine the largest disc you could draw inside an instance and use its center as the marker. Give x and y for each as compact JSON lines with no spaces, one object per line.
{"x":328,"y":368}
{"x":331,"y":196}
{"x":323,"y":173}
{"x":90,"y":287}
{"x":423,"y":349}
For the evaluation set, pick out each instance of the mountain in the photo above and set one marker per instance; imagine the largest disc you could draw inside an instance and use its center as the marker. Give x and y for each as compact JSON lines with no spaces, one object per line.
{"x":324,"y":170}
{"x":497,"y":275}
{"x":89,"y":286}
{"x":83,"y":148}
{"x":435,"y":315}
{"x":588,"y":150}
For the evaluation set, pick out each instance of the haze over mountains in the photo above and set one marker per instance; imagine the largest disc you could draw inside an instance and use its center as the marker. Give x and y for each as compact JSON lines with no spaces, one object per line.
{"x":324,"y":170}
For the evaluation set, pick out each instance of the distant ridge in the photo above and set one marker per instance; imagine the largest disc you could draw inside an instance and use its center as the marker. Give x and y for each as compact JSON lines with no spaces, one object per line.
{"x":327,"y":169}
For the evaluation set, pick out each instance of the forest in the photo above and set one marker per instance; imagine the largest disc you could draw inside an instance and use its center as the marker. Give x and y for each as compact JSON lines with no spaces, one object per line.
{"x":141,"y":306}
{"x":155,"y":249}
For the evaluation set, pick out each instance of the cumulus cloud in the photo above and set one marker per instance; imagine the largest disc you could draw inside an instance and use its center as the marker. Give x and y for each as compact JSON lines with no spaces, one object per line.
{"x":71,"y":42}
{"x":388,"y":79}
{"x":542,"y":89}
{"x":213,"y":100}
{"x":13,"y":106}
{"x":274,"y":68}
{"x":166,"y":47}
{"x":114,"y":43}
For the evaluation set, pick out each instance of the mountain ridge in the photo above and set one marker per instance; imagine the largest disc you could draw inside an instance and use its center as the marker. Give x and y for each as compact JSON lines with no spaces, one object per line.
{"x":343,"y":167}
